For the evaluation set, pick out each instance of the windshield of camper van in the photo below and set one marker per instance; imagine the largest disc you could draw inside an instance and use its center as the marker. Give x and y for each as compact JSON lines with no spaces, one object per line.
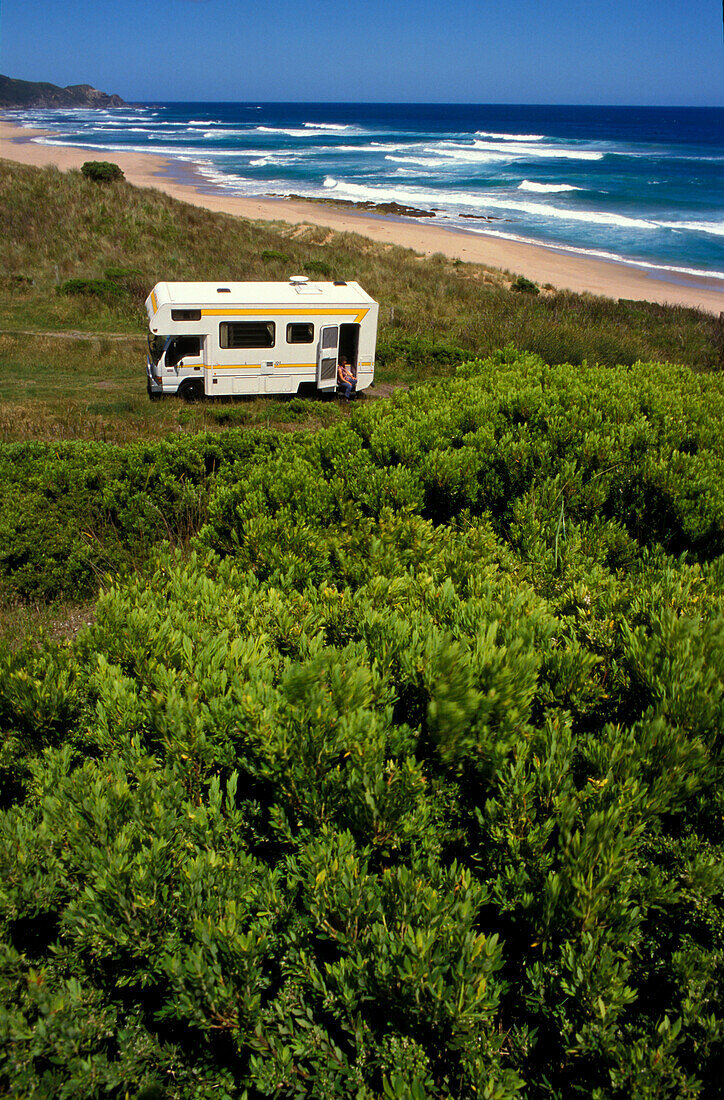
{"x":156,"y":344}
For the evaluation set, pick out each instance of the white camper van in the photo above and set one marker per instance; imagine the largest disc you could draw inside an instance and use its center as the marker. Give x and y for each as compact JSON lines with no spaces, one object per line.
{"x":217,"y":339}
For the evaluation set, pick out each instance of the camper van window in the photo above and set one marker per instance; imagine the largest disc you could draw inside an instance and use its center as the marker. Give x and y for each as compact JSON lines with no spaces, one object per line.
{"x":156,"y":344}
{"x":300,"y":333}
{"x":181,"y":346}
{"x":246,"y":334}
{"x":185,"y":314}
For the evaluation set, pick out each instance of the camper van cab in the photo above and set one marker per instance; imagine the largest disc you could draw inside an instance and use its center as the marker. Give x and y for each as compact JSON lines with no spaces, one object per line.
{"x":213,"y":339}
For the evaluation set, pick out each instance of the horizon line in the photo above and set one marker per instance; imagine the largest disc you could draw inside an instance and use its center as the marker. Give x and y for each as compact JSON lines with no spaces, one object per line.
{"x":436,"y":103}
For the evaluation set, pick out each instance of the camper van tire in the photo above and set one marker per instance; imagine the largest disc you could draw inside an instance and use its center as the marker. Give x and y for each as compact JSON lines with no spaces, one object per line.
{"x":191,"y":391}
{"x":308,"y":389}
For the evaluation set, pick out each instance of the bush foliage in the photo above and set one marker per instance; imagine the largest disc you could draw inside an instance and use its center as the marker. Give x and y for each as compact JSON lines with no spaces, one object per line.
{"x":102,"y":171}
{"x":98,"y":288}
{"x":525,"y":286}
{"x":400,"y":776}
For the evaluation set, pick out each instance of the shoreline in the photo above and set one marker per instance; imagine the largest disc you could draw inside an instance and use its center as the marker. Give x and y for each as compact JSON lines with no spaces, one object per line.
{"x":544,"y":264}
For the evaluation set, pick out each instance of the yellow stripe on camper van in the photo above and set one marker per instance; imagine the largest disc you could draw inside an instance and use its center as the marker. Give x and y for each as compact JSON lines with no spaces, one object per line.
{"x":154,"y":302}
{"x":358,"y":314}
{"x":257,"y":366}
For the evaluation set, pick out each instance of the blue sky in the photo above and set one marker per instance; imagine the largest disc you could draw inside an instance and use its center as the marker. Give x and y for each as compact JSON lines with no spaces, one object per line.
{"x":489,"y":51}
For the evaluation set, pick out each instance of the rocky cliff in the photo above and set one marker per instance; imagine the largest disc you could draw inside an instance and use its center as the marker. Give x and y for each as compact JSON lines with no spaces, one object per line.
{"x":27,"y":93}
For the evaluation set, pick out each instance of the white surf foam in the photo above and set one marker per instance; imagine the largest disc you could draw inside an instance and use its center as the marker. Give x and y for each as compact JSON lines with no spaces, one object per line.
{"x":455,"y":200}
{"x":510,"y":137}
{"x":544,"y":188}
{"x":179,"y":152}
{"x":467,"y":155}
{"x":372,"y":147}
{"x":230,"y":184}
{"x":262,"y":159}
{"x":326,"y":126}
{"x":292,"y":131}
{"x":716,"y":228}
{"x":597,"y":253}
{"x":440,"y":162}
{"x":547,"y":152}
{"x":219,"y":135}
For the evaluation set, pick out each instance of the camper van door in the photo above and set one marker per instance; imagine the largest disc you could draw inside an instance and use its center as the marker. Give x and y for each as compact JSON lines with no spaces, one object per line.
{"x":327,"y":357}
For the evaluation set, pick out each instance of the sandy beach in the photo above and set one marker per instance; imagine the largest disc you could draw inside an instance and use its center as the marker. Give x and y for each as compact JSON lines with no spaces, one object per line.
{"x":543,"y":264}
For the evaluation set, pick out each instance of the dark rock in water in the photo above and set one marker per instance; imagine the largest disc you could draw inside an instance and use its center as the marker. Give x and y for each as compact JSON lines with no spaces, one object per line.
{"x":394,"y":208}
{"x":482,"y":217}
{"x":397,"y":209}
{"x":28,"y":93}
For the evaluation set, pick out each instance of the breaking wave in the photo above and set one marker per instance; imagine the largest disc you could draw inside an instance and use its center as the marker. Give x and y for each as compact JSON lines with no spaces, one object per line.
{"x":327,"y":126}
{"x":514,"y":166}
{"x":544,"y":188}
{"x":418,"y":196}
{"x":510,"y":137}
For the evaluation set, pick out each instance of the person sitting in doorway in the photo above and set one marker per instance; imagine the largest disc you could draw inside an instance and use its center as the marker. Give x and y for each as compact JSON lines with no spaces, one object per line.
{"x":346,"y":380}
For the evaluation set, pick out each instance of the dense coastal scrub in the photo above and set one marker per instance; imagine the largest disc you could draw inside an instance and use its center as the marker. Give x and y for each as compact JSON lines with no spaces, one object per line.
{"x":398,"y":773}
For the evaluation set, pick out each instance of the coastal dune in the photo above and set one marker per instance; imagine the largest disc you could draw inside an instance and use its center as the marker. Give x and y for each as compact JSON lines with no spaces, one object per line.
{"x":543,"y":264}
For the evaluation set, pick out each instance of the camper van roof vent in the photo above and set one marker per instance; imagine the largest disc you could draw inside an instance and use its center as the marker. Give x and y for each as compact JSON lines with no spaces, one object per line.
{"x":223,"y":290}
{"x":298,"y":280}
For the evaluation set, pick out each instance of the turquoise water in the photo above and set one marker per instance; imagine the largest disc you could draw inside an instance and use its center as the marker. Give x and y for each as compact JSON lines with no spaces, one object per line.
{"x":640,"y":185}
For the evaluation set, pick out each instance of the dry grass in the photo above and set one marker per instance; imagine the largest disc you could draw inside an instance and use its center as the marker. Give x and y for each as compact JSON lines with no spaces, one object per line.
{"x":35,"y":622}
{"x":58,"y":226}
{"x":95,"y":389}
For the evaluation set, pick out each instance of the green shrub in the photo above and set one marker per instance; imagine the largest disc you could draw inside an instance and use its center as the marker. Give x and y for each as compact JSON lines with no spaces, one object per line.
{"x":231,"y":414}
{"x":73,"y":512}
{"x":525,"y":286}
{"x":270,"y":255}
{"x":292,"y":411}
{"x":540,"y":449}
{"x":400,"y":776}
{"x":399,"y":352}
{"x":95,"y":288}
{"x":319,"y":267}
{"x":117,"y":285}
{"x":101,"y":171}
{"x":121,"y":274}
{"x":130,"y":279}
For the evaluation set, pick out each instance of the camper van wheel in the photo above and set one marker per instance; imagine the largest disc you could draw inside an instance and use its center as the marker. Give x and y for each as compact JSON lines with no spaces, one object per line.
{"x":192,"y":391}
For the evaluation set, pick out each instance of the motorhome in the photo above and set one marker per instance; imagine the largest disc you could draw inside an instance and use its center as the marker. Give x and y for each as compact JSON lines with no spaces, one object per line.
{"x":223,"y":339}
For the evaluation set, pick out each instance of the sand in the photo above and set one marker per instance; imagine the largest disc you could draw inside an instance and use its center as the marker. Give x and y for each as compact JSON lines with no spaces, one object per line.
{"x":542,"y":264}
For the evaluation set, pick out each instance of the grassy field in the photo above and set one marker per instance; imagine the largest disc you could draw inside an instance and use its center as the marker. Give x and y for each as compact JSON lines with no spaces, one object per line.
{"x":94,"y":388}
{"x":72,"y":364}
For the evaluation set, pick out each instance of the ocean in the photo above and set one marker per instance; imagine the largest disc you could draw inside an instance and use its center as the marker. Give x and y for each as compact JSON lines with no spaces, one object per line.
{"x":641,"y":185}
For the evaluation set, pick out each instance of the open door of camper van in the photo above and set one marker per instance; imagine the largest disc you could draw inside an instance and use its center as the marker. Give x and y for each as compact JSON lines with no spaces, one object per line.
{"x":327,"y":357}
